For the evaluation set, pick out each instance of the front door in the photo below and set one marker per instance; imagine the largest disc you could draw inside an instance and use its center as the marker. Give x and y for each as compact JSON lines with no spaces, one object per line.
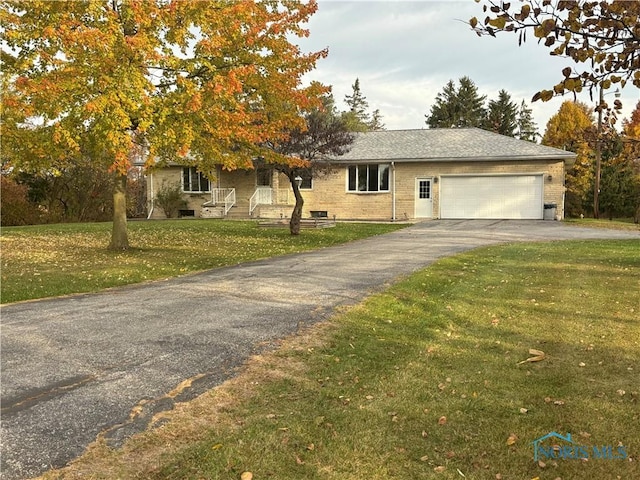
{"x":424,"y":200}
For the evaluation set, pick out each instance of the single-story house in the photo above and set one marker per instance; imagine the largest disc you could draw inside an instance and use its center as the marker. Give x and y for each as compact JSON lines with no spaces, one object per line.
{"x":458,"y":173}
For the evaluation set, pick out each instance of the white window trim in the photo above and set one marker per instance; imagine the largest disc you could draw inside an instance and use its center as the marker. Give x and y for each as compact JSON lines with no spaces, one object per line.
{"x":368,"y":192}
{"x":191,"y":170}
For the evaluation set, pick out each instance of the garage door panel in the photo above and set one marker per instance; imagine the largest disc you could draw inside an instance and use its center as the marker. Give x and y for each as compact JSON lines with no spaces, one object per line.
{"x":492,"y":197}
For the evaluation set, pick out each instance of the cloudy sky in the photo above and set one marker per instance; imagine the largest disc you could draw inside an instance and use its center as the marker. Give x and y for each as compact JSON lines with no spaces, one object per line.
{"x":404,"y":52}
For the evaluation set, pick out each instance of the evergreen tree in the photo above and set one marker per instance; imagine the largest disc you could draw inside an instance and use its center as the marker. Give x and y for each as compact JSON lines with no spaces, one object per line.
{"x":502,"y":115}
{"x":456,"y":108}
{"x":357,"y":117}
{"x":527,"y":128}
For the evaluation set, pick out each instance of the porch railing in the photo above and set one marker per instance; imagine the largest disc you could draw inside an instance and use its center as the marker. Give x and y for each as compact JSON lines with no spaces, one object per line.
{"x":219,"y":196}
{"x":269,"y":196}
{"x":229,"y":200}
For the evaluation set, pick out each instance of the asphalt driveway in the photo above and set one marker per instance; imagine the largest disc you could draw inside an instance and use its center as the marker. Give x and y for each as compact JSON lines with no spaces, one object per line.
{"x":77,"y":367}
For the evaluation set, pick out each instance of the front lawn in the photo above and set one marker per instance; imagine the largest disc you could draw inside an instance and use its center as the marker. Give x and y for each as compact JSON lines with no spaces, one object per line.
{"x":50,"y":260}
{"x":430,"y":379}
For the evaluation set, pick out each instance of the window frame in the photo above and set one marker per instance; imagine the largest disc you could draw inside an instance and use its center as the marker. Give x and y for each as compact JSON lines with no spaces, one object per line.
{"x":307,"y":179}
{"x":360,"y":178}
{"x":195,"y":176}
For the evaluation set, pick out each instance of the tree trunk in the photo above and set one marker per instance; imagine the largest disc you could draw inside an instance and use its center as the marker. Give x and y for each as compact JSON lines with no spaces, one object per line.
{"x":296,"y":215}
{"x":119,"y":239}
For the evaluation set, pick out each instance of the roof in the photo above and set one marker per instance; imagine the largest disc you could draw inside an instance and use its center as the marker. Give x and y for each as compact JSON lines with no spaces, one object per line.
{"x":446,"y":144}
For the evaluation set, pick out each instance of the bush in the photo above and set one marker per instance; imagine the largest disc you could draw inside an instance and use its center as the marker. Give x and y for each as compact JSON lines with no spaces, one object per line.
{"x":14,"y":204}
{"x":169,"y":198}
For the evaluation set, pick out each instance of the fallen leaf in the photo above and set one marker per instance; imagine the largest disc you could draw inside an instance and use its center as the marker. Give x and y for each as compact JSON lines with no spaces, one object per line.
{"x":246,"y":476}
{"x":538,"y":355}
{"x":217,"y":446}
{"x":311,"y":446}
{"x":582,"y":364}
{"x":523,"y":410}
{"x":558,"y":402}
{"x":424,"y":458}
{"x":541,"y":464}
{"x":620,"y":392}
{"x":424,"y":434}
{"x":442,"y":420}
{"x":461,"y":474}
{"x":513,"y":438}
{"x":440,"y":469}
{"x":299,"y":461}
{"x":450,"y":454}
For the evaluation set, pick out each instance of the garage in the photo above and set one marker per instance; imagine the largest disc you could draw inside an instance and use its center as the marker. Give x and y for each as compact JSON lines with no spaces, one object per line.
{"x":491,"y":197}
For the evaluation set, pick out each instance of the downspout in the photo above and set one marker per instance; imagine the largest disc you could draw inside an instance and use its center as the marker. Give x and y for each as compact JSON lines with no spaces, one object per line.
{"x":152,"y":195}
{"x":393,"y":192}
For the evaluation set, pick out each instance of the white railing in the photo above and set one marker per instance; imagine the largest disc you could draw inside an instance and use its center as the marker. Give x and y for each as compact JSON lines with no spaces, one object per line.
{"x":262,"y":196}
{"x":226,"y":196}
{"x":229,"y":200}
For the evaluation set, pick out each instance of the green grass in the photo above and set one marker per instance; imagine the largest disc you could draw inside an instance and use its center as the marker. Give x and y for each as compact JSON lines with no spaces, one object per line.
{"x":425,"y":381}
{"x":615,"y":224}
{"x":52,"y":260}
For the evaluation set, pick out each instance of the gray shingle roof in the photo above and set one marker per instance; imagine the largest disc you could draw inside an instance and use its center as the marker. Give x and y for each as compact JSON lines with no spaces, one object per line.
{"x":446,"y":144}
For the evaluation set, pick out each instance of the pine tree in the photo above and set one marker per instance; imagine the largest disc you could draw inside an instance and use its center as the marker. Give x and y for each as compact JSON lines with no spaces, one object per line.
{"x":455,"y":108}
{"x":502,"y":115}
{"x":357,"y":117}
{"x":527,"y":128}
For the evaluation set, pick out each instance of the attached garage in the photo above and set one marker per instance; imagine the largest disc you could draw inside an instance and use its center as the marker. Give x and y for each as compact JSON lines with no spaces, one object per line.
{"x":492,"y":197}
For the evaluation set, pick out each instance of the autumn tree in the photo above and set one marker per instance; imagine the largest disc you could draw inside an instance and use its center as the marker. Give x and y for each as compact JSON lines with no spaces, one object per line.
{"x":630,"y":159}
{"x":527,"y":128}
{"x":326,"y":135}
{"x":601,"y":37}
{"x":458,"y":107}
{"x":357,"y":117}
{"x":502,"y":115}
{"x":568,"y":130}
{"x":200,"y":83}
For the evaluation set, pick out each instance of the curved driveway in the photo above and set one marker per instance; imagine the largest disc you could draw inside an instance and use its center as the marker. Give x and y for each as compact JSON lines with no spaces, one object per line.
{"x":77,"y":367}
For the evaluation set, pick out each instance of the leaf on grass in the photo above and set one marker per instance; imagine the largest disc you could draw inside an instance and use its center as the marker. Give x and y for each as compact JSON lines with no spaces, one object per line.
{"x":442,"y":420}
{"x":440,"y":469}
{"x":424,"y":458}
{"x":523,"y":410}
{"x":513,"y":438}
{"x":217,"y":446}
{"x":246,"y":476}
{"x":538,"y":355}
{"x":299,"y":461}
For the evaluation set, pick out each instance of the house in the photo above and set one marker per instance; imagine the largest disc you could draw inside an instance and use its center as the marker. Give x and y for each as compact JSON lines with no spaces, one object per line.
{"x":465,"y":173}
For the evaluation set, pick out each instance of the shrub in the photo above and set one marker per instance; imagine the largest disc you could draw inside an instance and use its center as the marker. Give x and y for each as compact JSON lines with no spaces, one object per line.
{"x":169,"y":198}
{"x":14,"y":204}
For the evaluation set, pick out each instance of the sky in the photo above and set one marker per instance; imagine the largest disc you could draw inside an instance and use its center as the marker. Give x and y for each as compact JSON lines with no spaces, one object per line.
{"x":404,"y":52}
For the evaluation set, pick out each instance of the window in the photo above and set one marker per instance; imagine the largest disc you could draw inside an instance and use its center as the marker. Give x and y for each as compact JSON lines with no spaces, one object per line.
{"x":424,"y":189}
{"x":368,"y":178}
{"x":307,"y":179}
{"x":194,"y":181}
{"x":263,"y":177}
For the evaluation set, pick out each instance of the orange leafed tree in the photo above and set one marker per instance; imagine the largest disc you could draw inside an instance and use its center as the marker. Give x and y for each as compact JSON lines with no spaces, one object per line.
{"x":201,"y":83}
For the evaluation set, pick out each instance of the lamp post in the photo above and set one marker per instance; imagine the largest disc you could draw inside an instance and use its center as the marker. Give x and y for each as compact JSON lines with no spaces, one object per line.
{"x":298,"y":181}
{"x":596,"y":187}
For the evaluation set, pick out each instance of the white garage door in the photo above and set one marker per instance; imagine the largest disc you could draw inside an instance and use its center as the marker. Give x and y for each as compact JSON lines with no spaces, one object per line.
{"x":499,"y":196}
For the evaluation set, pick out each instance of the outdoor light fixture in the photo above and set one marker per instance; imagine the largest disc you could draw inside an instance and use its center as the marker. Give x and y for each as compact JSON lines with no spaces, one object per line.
{"x":298,"y":181}
{"x":549,"y":177}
